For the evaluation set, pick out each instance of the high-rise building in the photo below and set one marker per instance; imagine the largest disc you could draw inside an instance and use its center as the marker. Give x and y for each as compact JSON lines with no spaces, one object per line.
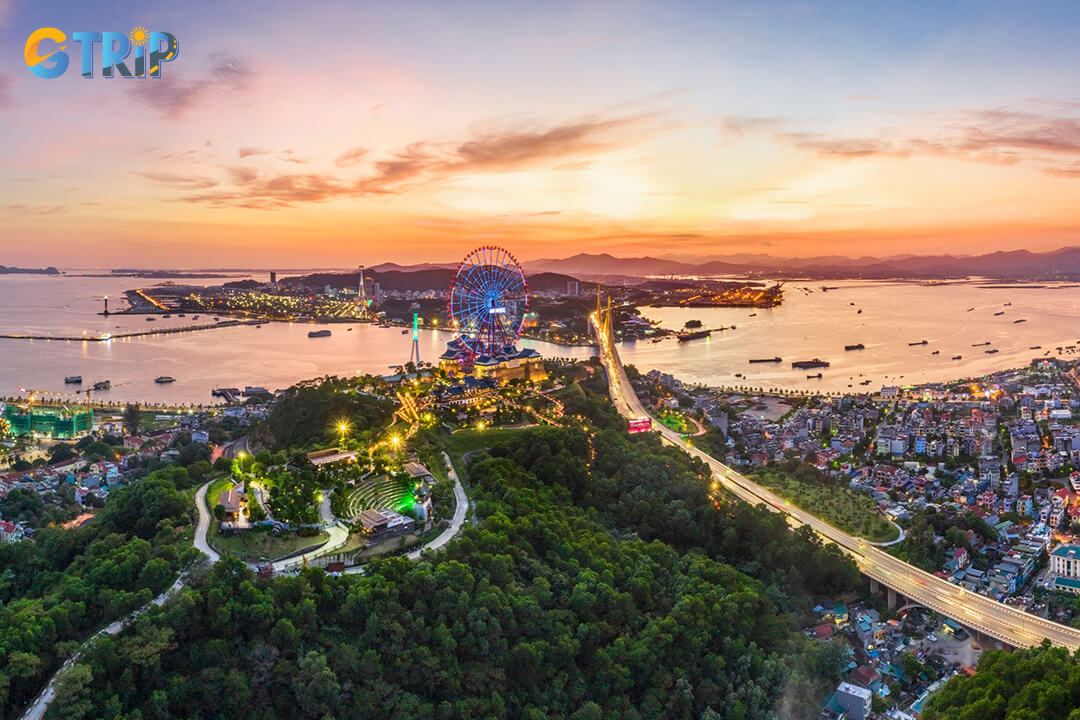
{"x":573,"y":288}
{"x":273,"y":277}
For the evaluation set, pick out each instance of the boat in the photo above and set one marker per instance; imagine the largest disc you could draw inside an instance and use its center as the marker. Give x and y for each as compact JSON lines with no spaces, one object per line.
{"x":164,"y":379}
{"x":859,"y":312}
{"x":684,"y":336}
{"x":990,"y":352}
{"x":970,"y":309}
{"x":738,"y":374}
{"x":166,"y":316}
{"x":405,"y":331}
{"x":921,"y":342}
{"x":852,"y":304}
{"x":319,"y":333}
{"x":857,"y":346}
{"x":258,"y":327}
{"x":182,"y":315}
{"x":103,"y":385}
{"x":1017,"y":322}
{"x":999,"y":312}
{"x":957,"y":357}
{"x":936,"y":352}
{"x":752,"y":315}
{"x":151,"y":319}
{"x":809,"y":364}
{"x":194,"y":317}
{"x":346,"y":329}
{"x":826,"y":288}
{"x":765,"y":360}
{"x":657,"y":339}
{"x":981,"y":344}
{"x":1008,"y":304}
{"x":813,"y":377}
{"x":1035,"y":347}
{"x":73,"y":380}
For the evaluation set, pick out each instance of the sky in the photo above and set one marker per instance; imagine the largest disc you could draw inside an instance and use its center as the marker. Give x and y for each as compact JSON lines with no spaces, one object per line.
{"x":341,"y":133}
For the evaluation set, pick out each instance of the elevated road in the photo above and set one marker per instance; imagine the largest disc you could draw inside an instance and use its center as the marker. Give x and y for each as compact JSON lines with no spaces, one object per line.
{"x":1002,"y":622}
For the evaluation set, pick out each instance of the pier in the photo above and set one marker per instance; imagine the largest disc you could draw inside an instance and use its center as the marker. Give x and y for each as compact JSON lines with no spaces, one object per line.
{"x":138,"y":333}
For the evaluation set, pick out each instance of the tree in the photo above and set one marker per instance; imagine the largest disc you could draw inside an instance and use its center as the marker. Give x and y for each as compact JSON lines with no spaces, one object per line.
{"x":132,"y":419}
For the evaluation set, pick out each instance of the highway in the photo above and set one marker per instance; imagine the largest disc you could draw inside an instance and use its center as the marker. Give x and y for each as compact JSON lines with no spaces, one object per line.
{"x":977,"y":612}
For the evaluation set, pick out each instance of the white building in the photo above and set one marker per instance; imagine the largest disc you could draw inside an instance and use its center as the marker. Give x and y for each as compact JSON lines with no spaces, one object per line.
{"x":854,"y":699}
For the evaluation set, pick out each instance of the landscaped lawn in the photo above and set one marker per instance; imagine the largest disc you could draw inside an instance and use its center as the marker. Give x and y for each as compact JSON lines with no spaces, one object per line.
{"x":259,"y":544}
{"x":841,"y":506}
{"x":255,"y":544}
{"x":213,"y":493}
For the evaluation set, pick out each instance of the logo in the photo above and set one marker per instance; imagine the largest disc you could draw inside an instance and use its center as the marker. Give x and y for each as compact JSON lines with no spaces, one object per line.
{"x":46,"y":58}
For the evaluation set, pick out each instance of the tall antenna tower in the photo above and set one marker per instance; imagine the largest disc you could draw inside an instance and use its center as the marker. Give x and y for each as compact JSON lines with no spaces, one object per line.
{"x":362,"y":292}
{"x":414,"y":354}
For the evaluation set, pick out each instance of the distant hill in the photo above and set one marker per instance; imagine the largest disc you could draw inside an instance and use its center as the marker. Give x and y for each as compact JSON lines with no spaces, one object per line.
{"x":1017,"y":264}
{"x":5,"y":270}
{"x":435,"y":278}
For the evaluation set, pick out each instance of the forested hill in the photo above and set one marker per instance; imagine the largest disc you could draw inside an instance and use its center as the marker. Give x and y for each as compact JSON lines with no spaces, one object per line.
{"x":610,"y":589}
{"x":415,"y":281}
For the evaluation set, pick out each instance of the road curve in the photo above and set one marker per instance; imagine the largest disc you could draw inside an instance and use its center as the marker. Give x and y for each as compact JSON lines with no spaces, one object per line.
{"x":461,"y":511}
{"x":204,"y":524}
{"x":1003,"y":622}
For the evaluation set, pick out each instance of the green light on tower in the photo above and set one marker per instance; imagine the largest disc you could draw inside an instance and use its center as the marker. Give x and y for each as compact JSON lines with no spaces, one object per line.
{"x":415,"y":321}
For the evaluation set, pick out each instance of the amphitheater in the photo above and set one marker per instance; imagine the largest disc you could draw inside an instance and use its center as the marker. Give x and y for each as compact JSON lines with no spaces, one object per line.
{"x":379,"y":493}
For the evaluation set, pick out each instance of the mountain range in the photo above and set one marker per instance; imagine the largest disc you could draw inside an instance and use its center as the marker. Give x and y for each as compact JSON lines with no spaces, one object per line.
{"x":1016,"y":264}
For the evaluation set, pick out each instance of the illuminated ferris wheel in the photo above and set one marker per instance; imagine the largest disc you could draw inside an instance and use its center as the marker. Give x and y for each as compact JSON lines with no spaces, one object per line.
{"x":488,"y":300}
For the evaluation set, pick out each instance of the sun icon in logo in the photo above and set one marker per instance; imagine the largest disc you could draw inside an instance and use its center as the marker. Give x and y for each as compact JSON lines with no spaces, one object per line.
{"x":139,"y":35}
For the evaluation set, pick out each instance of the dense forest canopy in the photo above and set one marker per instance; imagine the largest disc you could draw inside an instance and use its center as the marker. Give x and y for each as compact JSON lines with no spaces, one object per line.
{"x":1035,"y":684}
{"x":64,"y":584}
{"x":610,"y":591}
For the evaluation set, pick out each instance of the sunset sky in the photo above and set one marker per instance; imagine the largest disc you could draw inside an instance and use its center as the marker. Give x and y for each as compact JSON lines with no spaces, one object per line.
{"x":337,"y":133}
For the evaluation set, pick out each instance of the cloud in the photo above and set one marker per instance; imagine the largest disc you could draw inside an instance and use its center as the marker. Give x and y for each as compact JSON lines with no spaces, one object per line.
{"x":501,"y":151}
{"x":37,"y":209}
{"x":241,"y":175}
{"x":489,"y":151}
{"x":1001,"y":136}
{"x":173,"y":96}
{"x":290,"y":156}
{"x":741,"y":124}
{"x":183,"y":182}
{"x":350,"y":157}
{"x":842,"y":147}
{"x":249,"y":151}
{"x":273,"y":192}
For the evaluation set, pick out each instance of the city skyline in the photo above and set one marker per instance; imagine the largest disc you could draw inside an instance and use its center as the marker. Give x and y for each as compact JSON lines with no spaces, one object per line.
{"x":687,"y":130}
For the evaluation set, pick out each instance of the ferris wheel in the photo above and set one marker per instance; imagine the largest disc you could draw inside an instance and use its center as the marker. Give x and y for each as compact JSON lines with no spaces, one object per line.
{"x":488,"y":300}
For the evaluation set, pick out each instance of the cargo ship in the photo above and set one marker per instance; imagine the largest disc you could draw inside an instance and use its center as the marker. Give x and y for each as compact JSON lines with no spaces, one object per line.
{"x":982,"y":344}
{"x":684,"y":336}
{"x":921,"y":342}
{"x":318,"y":333}
{"x":164,"y":379}
{"x":1002,"y":312}
{"x":73,"y":380}
{"x":766,"y":360}
{"x":809,"y":364}
{"x":857,"y":346}
{"x":1015,"y":322}
{"x":103,"y":385}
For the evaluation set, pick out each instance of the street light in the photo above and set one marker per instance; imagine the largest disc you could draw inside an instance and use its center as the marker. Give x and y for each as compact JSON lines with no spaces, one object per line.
{"x":342,"y":427}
